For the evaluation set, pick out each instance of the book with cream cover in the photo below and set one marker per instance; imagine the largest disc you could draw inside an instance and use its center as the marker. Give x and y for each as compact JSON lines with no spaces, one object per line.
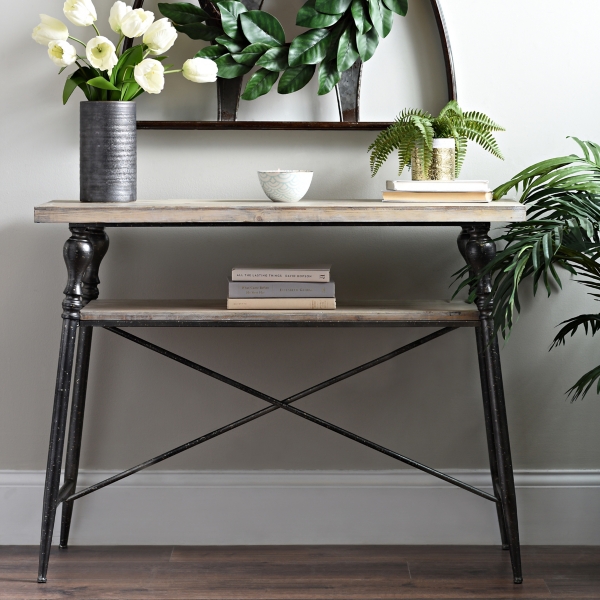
{"x":465,"y":197}
{"x":317,"y":273}
{"x":281,"y":303}
{"x":458,"y":185}
{"x":281,"y":289}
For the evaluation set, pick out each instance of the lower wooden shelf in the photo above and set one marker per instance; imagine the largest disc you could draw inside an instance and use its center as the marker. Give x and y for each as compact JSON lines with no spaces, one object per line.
{"x":190,"y":313}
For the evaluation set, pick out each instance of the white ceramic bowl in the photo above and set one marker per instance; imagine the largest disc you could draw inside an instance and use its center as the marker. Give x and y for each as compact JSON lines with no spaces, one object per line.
{"x":285,"y":186}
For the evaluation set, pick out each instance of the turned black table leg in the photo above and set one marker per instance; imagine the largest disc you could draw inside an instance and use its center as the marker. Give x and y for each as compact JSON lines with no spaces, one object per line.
{"x":479,"y":250}
{"x":463,"y":238}
{"x":77,"y":252}
{"x":97,"y":236}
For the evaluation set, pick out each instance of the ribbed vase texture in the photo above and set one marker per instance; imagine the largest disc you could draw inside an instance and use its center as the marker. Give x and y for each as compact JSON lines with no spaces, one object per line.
{"x":108,"y":152}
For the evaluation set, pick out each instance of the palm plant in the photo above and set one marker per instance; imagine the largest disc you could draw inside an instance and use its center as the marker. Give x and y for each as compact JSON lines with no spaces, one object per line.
{"x":415,"y":129}
{"x":562,"y":196}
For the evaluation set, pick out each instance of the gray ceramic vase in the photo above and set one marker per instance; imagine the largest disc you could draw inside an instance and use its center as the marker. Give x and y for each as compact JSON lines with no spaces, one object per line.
{"x":107,"y":152}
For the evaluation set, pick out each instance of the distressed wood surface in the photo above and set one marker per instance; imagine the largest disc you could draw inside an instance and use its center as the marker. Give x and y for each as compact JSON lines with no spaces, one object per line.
{"x":215,"y":311}
{"x":300,"y":573}
{"x":259,"y":211}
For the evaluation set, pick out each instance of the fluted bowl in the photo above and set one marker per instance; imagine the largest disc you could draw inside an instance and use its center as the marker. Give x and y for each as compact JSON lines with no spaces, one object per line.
{"x":285,"y":186}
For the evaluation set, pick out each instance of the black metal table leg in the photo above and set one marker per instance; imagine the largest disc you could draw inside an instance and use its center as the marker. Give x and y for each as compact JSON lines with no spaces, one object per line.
{"x":97,"y":236}
{"x":480,"y":249}
{"x":463,"y":238}
{"x":77,"y":252}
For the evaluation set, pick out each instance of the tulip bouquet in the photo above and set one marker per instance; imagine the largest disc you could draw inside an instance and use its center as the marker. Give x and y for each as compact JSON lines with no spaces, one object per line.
{"x":106,"y":71}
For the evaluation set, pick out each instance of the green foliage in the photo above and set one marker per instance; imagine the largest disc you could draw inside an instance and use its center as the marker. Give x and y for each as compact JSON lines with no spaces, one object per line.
{"x":562,"y":196}
{"x":340,"y":32}
{"x":415,"y":129}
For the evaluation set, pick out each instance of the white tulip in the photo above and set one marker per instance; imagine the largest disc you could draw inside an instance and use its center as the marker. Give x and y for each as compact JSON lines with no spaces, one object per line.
{"x":160,"y":36}
{"x":117,"y":12}
{"x":101,"y":53}
{"x":62,"y":53}
{"x":136,"y":22}
{"x":150,"y":75}
{"x":80,"y":12}
{"x":200,"y":70}
{"x":49,"y":30}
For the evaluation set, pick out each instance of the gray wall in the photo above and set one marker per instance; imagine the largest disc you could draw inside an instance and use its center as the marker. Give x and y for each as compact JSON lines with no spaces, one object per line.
{"x":530,"y":65}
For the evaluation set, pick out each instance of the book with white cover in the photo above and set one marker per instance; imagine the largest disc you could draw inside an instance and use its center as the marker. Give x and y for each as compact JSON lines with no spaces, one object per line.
{"x":282,"y":273}
{"x":281,"y":289}
{"x":458,"y":185}
{"x":281,"y":303}
{"x":433,"y":197}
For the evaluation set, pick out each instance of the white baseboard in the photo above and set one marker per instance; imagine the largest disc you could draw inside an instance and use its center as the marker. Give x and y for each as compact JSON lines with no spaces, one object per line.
{"x":306,"y":507}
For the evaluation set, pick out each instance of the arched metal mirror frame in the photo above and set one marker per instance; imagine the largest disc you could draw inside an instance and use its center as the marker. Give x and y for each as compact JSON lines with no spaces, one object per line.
{"x":348,"y":94}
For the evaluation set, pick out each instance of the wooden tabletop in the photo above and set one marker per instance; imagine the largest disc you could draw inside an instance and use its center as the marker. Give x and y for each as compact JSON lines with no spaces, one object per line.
{"x":149,"y":212}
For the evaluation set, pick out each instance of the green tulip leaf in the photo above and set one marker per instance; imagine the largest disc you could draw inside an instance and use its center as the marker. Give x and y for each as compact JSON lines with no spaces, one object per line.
{"x":211,"y":51}
{"x":329,"y":76}
{"x":275,"y":59}
{"x":103,"y":84}
{"x":309,"y":48}
{"x":250,"y":54}
{"x":295,"y":78}
{"x":309,"y":16}
{"x":347,"y":53}
{"x":332,"y":7}
{"x":262,"y":28}
{"x":367,"y":44}
{"x":260,"y":84}
{"x":228,"y":68}
{"x":199,"y":31}
{"x":230,"y":11}
{"x":400,"y":7}
{"x":182,"y":13}
{"x":71,"y":84}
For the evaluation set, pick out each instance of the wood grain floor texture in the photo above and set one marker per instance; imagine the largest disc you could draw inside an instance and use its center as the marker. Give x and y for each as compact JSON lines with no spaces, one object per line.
{"x":300,"y":573}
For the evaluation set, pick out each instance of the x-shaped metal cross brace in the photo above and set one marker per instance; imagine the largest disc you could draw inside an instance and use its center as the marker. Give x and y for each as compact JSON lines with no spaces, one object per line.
{"x":67,"y":494}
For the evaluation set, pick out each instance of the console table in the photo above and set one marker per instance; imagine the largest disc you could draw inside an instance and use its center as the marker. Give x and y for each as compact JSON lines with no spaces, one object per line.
{"x":82,"y":311}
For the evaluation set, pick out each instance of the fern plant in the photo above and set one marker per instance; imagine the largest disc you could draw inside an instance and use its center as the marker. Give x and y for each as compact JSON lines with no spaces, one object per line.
{"x":562,"y":196}
{"x":414,"y":130}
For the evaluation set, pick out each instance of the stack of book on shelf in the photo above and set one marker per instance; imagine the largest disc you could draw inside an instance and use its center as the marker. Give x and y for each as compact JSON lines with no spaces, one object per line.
{"x":438,"y":191}
{"x":281,"y":288}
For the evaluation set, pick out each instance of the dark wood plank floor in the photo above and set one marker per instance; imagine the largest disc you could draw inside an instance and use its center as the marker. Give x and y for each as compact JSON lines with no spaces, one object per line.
{"x":300,"y":573}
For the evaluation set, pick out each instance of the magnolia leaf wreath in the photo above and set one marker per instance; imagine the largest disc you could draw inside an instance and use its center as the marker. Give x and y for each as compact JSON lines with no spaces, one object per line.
{"x":339,"y":33}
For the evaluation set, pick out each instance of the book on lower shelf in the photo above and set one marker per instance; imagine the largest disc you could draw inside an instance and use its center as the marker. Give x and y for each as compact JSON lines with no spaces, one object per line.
{"x":464,"y":197}
{"x":281,"y":288}
{"x":281,"y":303}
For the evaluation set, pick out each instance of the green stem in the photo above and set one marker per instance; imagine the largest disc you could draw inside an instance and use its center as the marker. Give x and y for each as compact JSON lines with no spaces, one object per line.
{"x":95,"y":28}
{"x":120,"y":40}
{"x":174,"y":71}
{"x":76,"y":40}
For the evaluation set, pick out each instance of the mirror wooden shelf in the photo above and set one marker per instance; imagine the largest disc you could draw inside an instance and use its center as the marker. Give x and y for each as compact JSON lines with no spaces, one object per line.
{"x":347,"y":92}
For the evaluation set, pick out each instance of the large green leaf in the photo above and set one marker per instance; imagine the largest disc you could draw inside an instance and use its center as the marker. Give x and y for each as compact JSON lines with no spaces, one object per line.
{"x":199,"y":31}
{"x":262,"y":28}
{"x":230,"y":11}
{"x":376,"y":16}
{"x":260,"y":84}
{"x":332,"y":7}
{"x":71,"y":84}
{"x":400,"y":7}
{"x":250,"y":54}
{"x":228,"y":68}
{"x":309,"y":48}
{"x":367,"y":44}
{"x":182,"y":13}
{"x":329,"y":76}
{"x":295,"y":78}
{"x":126,"y":62}
{"x":309,"y":16}
{"x":387,"y":20}
{"x":229,"y":43}
{"x":102,"y":84}
{"x":211,"y":51}
{"x":359,"y":14}
{"x":275,"y":59}
{"x":347,"y":53}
